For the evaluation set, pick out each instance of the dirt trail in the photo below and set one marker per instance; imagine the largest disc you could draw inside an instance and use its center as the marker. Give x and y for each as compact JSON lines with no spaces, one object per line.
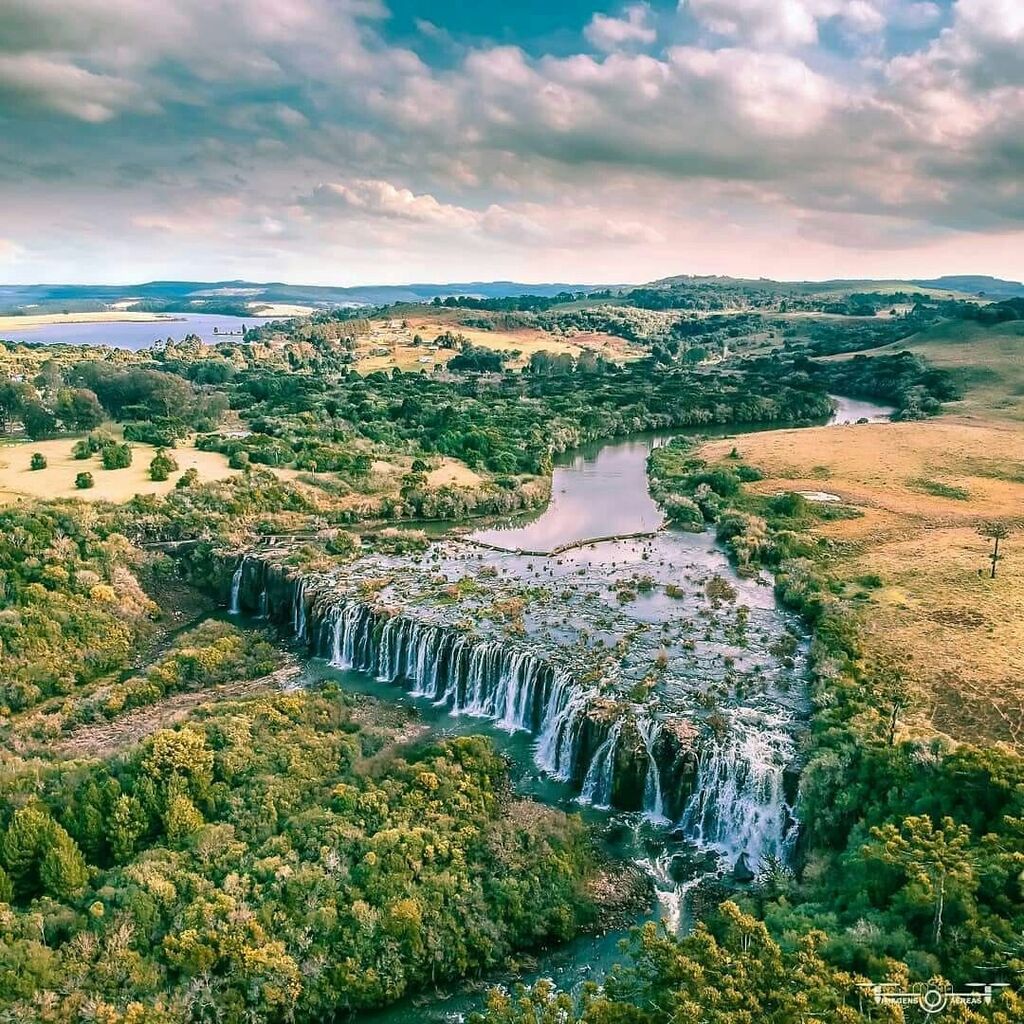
{"x":105,"y":739}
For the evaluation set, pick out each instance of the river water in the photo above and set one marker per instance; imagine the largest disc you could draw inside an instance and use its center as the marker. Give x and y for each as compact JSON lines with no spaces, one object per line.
{"x":135,"y":335}
{"x":575,"y":607}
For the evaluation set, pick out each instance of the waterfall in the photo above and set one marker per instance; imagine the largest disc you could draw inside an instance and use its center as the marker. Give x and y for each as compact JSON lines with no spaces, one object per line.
{"x":236,"y":587}
{"x":563,"y":718}
{"x":731,"y":800}
{"x":600,"y":777}
{"x":299,"y":610}
{"x":654,"y":803}
{"x":738,"y":803}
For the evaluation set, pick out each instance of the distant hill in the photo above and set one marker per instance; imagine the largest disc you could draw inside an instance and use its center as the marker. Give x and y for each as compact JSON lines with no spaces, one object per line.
{"x":977,"y":284}
{"x":24,"y":298}
{"x":965,"y":285}
{"x":230,"y":296}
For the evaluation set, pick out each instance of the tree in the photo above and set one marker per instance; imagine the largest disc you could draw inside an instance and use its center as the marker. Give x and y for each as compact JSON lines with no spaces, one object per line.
{"x":38,"y":421}
{"x":892,"y":691}
{"x":38,"y":461}
{"x":995,"y":531}
{"x":79,"y":409}
{"x":937,"y":863}
{"x":84,"y":481}
{"x":41,"y":857}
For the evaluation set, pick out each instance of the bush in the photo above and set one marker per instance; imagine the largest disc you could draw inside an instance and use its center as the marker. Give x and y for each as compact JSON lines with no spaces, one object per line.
{"x":162,"y":466}
{"x":160,"y":434}
{"x":116,"y":456}
{"x":38,"y":461}
{"x":239,"y":460}
{"x":84,"y":481}
{"x":188,"y":479}
{"x":82,"y":449}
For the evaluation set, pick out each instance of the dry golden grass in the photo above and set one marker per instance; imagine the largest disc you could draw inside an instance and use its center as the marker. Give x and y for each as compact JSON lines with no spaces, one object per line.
{"x":12,"y":323}
{"x":280,"y":309}
{"x":18,"y":482}
{"x":958,"y":634}
{"x":452,"y":473}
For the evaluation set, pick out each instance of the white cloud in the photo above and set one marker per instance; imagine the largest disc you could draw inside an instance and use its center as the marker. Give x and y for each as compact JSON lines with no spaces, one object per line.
{"x":374,"y":198}
{"x":607,"y":33}
{"x":784,"y":24}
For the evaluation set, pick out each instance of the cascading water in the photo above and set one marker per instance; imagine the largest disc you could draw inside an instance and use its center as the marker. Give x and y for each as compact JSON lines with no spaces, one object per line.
{"x":234,"y":607}
{"x":654,"y":802}
{"x":732,"y":801}
{"x":738,"y":804}
{"x":299,"y":610}
{"x":598,"y":782}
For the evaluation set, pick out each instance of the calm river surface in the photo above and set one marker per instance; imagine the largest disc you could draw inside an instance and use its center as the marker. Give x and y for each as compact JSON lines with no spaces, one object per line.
{"x":135,"y":335}
{"x":600,"y":489}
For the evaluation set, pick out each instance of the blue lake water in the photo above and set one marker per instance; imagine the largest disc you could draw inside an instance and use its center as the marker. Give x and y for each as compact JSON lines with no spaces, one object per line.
{"x":211,"y":327}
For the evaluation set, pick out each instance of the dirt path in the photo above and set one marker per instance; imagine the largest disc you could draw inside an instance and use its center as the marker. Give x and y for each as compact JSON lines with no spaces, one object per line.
{"x":105,"y":739}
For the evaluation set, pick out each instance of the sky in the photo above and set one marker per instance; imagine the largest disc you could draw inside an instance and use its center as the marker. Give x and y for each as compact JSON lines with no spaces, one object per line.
{"x":370,"y":142}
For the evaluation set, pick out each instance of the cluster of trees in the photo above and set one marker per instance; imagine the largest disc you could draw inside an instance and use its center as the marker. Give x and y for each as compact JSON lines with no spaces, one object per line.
{"x":513,"y":423}
{"x":729,"y":970}
{"x":274,"y":859}
{"x":212,"y":653}
{"x":43,"y":411}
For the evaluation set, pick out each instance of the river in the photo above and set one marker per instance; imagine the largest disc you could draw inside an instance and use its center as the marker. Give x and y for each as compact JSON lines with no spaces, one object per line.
{"x":739,"y":653}
{"x":135,"y":335}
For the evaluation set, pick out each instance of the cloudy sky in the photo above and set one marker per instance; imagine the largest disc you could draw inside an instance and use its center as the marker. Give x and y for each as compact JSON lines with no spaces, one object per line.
{"x":384,"y":141}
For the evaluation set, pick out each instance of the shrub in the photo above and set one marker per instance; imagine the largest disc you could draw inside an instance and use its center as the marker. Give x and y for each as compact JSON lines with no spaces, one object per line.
{"x":239,"y":460}
{"x":160,"y":434}
{"x":116,"y":456}
{"x":38,"y":461}
{"x":162,"y":466}
{"x":84,"y":481}
{"x":82,"y":449}
{"x":188,"y":479}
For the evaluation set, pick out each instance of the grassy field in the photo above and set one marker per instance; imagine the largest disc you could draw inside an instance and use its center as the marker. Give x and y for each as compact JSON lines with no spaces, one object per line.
{"x":923,"y":488}
{"x":19,"y":482}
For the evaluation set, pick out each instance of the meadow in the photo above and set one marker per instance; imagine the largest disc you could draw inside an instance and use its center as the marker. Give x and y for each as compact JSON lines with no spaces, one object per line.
{"x":912,"y":561}
{"x":18,"y":482}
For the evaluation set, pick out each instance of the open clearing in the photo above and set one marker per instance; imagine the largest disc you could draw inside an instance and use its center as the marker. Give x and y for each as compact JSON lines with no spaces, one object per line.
{"x":18,"y":482}
{"x":959,"y":634}
{"x":105,"y":739}
{"x":390,"y":343}
{"x":279,"y":309}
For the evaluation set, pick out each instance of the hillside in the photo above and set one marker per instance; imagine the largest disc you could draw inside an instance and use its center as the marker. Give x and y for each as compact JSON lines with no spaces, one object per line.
{"x":987,"y":361}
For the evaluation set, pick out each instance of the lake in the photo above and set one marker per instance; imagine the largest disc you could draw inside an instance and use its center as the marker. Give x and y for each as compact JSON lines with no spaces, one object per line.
{"x":133,"y":335}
